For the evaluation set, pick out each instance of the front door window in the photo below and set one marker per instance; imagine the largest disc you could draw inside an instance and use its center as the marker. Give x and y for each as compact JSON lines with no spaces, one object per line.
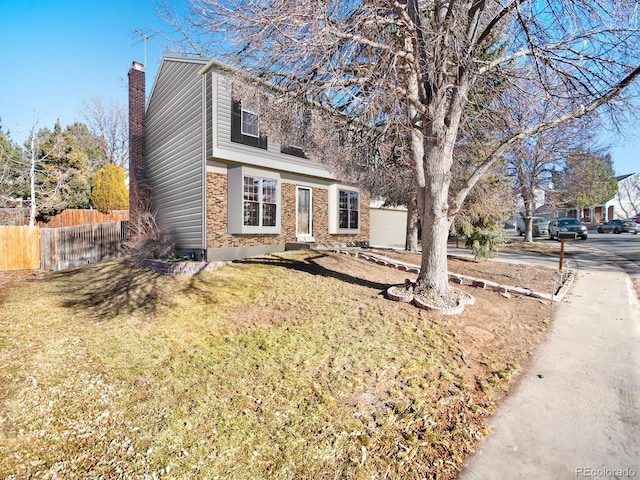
{"x":304,"y":212}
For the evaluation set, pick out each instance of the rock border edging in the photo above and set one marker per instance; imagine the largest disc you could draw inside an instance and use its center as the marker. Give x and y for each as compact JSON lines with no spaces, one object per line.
{"x":567,"y":277}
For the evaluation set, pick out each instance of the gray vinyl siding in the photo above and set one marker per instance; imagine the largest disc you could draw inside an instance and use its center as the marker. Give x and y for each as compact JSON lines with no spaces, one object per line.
{"x":272,"y":157}
{"x":209,"y":112}
{"x":174,"y":157}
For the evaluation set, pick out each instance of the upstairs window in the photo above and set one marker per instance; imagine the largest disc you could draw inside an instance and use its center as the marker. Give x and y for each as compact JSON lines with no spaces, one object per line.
{"x":292,"y":150}
{"x":348,"y":210}
{"x":245,"y":126}
{"x":250,"y":123}
{"x":296,"y":124}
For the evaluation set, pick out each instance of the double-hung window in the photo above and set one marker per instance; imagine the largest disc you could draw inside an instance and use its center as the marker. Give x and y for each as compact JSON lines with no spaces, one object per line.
{"x":344,"y":210}
{"x":260,"y":201}
{"x":254,"y":204}
{"x":348,"y":209}
{"x":296,"y":125}
{"x":245,"y":126}
{"x":250,"y":124}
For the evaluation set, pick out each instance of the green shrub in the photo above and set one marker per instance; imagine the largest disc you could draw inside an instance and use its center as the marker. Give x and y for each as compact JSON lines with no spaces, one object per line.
{"x":482,"y":238}
{"x":109,"y":191}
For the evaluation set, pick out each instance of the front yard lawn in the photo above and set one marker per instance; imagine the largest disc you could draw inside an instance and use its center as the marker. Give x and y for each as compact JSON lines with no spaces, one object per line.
{"x":290,"y":366}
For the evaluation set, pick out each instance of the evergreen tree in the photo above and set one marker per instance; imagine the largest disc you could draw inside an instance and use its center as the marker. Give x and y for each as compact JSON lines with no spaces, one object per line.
{"x":62,"y":174}
{"x":13,"y":168}
{"x":587,"y":180}
{"x":109,"y":191}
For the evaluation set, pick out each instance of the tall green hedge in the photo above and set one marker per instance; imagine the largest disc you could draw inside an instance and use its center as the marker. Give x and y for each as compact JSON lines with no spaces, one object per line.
{"x":109,"y":191}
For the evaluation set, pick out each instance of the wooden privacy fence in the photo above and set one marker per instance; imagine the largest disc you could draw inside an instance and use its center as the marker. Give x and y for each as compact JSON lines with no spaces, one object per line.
{"x":19,"y":248}
{"x":52,"y":249}
{"x":68,"y":247}
{"x":73,"y":217}
{"x":66,"y":218}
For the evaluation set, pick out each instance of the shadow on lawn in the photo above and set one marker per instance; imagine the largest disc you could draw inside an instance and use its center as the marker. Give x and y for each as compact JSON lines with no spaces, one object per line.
{"x":105,"y":290}
{"x":108,"y":289}
{"x":311,"y":266}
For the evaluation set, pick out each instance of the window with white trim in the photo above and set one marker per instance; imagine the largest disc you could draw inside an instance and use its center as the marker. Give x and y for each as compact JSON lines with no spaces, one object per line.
{"x":296,"y":124}
{"x":250,"y":124}
{"x":344,"y":210}
{"x":260,"y":201}
{"x":245,"y":126}
{"x":348,"y":210}
{"x":253,"y":201}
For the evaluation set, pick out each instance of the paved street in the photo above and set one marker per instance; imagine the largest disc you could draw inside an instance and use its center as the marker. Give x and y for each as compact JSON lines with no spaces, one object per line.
{"x":625,"y":244}
{"x":576,"y":412}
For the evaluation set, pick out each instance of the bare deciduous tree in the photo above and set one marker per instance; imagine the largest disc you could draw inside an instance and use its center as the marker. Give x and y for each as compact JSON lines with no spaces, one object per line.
{"x":413,"y":66}
{"x":108,"y":123}
{"x":534,"y":160}
{"x":628,"y":197}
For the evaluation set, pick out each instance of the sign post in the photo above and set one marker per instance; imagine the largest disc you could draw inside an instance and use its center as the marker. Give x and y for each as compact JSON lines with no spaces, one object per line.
{"x":562,"y":236}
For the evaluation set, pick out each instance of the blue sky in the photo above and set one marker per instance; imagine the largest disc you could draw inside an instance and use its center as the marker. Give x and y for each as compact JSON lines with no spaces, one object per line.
{"x":57,"y":53}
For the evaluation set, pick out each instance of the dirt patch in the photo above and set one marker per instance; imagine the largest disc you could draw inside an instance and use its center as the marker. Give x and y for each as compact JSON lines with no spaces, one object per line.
{"x":496,"y":328}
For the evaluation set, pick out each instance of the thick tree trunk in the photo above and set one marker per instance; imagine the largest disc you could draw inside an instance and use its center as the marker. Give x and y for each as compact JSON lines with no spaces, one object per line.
{"x":435,"y":226}
{"x":432,"y":140}
{"x":413,"y":223}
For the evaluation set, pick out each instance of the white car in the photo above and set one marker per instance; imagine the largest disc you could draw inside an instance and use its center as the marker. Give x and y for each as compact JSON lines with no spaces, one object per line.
{"x":540,"y":226}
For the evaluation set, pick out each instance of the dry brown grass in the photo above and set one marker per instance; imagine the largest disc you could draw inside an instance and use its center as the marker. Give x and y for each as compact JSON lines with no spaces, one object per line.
{"x":538,"y":246}
{"x":287,"y":366}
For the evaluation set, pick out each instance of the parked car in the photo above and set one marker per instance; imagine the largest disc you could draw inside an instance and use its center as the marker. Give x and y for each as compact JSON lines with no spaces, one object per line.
{"x":631,"y":226}
{"x":620,"y":226}
{"x":540,"y":226}
{"x":636,"y":218}
{"x":567,"y":225}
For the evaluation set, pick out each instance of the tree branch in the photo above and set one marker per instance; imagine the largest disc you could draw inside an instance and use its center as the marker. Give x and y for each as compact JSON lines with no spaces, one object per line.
{"x":538,"y":128}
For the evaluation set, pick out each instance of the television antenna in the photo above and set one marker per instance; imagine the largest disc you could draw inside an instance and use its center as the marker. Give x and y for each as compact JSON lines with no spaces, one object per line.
{"x":144,"y":35}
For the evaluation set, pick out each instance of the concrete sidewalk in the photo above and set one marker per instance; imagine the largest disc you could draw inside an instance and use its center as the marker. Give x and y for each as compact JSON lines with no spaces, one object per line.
{"x":576,"y":411}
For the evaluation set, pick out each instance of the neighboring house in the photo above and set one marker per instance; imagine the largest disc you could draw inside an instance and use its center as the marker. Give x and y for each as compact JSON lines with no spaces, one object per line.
{"x":519,"y":211}
{"x":539,"y":199}
{"x":223,"y":189}
{"x":624,"y":204}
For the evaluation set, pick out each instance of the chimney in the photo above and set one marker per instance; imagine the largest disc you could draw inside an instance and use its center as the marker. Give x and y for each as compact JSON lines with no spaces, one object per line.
{"x":139,"y":187}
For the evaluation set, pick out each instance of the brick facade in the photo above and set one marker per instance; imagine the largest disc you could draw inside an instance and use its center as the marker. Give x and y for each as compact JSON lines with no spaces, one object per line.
{"x":217,"y":231}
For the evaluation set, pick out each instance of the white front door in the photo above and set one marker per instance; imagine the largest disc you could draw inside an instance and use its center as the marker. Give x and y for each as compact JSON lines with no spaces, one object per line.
{"x":303,"y":214}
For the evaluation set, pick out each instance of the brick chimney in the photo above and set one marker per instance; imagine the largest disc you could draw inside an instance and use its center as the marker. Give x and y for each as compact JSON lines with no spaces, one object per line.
{"x":139,"y":187}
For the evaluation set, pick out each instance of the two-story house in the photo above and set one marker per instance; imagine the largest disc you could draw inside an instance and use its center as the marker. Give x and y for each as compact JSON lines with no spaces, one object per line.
{"x":217,"y":182}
